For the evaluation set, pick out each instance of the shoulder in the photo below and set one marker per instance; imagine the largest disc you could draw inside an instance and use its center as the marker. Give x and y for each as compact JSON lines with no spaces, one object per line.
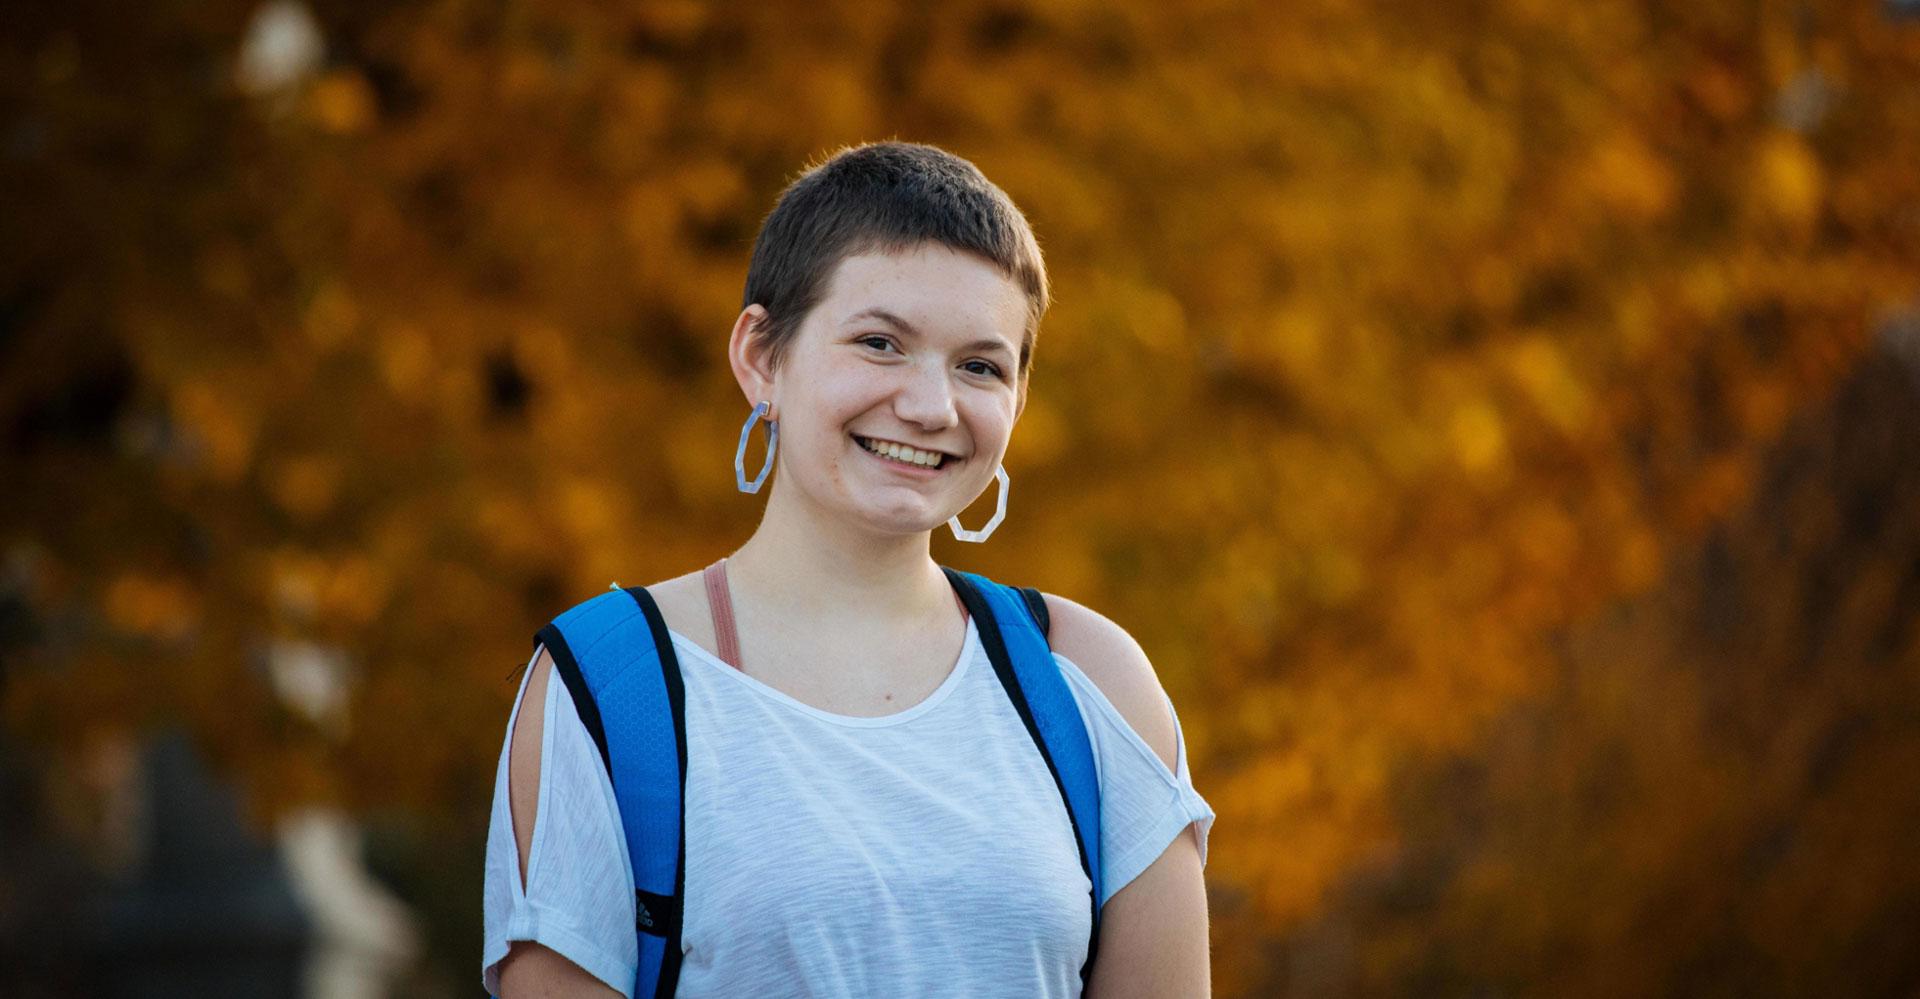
{"x":682,"y":601}
{"x":1118,"y":666}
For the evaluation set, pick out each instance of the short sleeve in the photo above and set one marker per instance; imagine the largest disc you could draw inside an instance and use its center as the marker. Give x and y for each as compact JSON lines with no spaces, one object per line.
{"x":1143,"y":805}
{"x":578,"y":897}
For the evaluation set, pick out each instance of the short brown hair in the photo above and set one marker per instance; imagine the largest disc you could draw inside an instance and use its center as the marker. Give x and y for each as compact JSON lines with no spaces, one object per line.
{"x":885,"y":196}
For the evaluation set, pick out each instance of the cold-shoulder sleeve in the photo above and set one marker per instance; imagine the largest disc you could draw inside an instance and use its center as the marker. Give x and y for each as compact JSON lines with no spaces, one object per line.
{"x":1143,"y":805}
{"x":578,"y":896}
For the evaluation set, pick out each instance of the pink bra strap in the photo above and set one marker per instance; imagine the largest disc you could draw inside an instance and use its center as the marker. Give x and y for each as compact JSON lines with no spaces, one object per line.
{"x":720,"y":602}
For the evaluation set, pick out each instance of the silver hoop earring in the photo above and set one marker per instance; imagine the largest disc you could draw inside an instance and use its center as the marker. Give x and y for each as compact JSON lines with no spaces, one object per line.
{"x":740,"y":453}
{"x":999,"y":512}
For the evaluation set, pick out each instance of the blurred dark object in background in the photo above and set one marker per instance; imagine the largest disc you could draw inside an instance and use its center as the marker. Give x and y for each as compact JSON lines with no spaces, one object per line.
{"x":206,"y":909}
{"x":182,"y":901}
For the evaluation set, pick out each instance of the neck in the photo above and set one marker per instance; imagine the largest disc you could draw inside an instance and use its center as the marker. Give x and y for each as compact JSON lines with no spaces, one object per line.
{"x":803,"y":563}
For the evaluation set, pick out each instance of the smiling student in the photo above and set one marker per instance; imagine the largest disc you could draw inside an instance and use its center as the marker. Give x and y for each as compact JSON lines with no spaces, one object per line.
{"x":827,"y":765}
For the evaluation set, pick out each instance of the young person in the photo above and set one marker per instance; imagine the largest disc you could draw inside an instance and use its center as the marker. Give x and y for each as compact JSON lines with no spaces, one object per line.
{"x":865,"y":813}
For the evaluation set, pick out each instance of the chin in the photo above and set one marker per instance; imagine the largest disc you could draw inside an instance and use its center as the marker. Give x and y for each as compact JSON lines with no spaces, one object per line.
{"x":901,"y":522}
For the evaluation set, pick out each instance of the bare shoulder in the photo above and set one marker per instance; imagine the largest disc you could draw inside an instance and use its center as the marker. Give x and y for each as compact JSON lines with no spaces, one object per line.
{"x":684,"y":590}
{"x":1116,"y":664}
{"x":683,"y":603}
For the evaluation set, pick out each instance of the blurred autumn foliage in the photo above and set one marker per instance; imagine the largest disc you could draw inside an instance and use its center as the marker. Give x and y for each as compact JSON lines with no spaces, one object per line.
{"x":1497,"y":420}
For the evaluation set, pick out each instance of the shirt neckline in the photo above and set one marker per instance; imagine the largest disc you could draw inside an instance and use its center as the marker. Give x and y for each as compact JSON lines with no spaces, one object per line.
{"x":968,"y":648}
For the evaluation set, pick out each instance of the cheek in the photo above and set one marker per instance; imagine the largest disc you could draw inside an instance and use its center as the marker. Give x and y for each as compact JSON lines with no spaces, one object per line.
{"x":826,"y":447}
{"x":993,"y":428}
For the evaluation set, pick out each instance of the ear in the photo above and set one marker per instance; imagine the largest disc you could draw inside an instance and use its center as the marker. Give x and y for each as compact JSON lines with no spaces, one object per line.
{"x":747,"y":354}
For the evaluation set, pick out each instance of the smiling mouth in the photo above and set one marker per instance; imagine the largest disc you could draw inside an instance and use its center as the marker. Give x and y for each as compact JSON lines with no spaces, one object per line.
{"x":903,"y":455}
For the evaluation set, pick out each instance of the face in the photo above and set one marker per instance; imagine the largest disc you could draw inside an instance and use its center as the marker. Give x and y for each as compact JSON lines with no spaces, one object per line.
{"x":917,"y":348}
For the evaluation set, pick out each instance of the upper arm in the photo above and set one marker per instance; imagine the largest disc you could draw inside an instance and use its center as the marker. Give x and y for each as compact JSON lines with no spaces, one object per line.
{"x":532,"y":969}
{"x":523,"y":760}
{"x":1153,"y":931}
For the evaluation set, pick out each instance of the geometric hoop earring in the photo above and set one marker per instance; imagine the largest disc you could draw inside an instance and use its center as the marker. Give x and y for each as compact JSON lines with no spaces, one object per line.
{"x":740,"y":453}
{"x":999,"y":512}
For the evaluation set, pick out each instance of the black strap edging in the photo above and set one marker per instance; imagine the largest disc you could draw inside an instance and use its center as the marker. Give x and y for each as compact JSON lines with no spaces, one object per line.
{"x":583,"y":702}
{"x":1038,"y":605}
{"x":669,"y":910}
{"x":996,"y":648}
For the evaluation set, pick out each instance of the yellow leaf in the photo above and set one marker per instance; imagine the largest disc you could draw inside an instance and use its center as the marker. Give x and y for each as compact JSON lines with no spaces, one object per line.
{"x":1536,"y":363}
{"x":307,"y":486}
{"x":1629,"y":178}
{"x":1788,"y":180}
{"x":1478,"y":437}
{"x":406,"y":362}
{"x":342,"y":102}
{"x":219,"y":425}
{"x":151,"y":606}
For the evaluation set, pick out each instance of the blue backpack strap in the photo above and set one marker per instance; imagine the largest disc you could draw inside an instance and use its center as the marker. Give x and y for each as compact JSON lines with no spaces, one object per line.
{"x":615,"y":657}
{"x":1013,"y":630}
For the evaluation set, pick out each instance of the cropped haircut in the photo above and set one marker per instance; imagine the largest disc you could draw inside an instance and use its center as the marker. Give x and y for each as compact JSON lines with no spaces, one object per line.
{"x":885,"y":197}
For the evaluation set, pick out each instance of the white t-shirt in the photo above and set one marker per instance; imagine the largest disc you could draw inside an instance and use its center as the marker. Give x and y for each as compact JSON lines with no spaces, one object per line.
{"x":922,"y":853}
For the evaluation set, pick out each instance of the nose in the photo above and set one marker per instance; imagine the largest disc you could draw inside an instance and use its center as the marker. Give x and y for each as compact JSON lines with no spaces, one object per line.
{"x":926,"y":400}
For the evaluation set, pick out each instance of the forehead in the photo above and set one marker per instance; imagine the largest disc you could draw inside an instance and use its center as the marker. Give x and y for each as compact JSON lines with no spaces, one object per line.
{"x":937,"y":289}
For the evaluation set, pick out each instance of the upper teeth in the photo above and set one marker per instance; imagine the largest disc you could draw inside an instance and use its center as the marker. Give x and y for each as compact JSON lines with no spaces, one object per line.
{"x":901,"y":452}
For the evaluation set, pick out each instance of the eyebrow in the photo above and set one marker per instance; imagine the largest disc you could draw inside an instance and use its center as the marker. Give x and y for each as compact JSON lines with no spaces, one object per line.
{"x":908,"y":328}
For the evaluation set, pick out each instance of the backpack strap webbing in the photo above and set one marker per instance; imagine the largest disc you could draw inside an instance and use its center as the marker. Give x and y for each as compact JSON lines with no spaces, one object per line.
{"x":615,"y":656}
{"x":1015,"y":641}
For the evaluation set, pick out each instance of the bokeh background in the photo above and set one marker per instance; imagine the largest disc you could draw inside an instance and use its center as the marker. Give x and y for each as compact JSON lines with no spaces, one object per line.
{"x":1497,"y":419}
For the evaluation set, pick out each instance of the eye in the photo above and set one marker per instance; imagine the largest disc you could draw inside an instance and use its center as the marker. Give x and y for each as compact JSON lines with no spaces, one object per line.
{"x":876,"y":338}
{"x":992,"y":368}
